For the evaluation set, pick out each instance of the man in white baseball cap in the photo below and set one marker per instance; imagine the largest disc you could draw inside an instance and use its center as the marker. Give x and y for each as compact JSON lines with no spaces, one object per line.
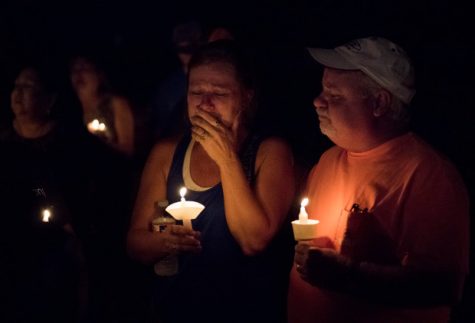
{"x":392,"y":242}
{"x":382,"y":60}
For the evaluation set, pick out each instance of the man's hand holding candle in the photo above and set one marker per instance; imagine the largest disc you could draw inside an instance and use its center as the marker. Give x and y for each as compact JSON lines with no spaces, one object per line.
{"x":320,"y":265}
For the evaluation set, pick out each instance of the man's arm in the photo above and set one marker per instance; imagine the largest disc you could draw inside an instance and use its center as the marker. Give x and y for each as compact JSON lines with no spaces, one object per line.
{"x":398,"y":286}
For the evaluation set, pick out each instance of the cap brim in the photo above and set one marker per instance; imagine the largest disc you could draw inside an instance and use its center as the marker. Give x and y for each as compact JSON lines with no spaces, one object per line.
{"x":331,"y":58}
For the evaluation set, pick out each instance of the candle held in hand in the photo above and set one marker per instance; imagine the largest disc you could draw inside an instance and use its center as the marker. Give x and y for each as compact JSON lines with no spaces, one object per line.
{"x":304,"y":228}
{"x":185,"y":210}
{"x":95,"y":126}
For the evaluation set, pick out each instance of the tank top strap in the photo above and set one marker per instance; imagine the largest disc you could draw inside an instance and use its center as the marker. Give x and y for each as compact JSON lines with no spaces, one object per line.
{"x":247,"y":156}
{"x":175,"y":177}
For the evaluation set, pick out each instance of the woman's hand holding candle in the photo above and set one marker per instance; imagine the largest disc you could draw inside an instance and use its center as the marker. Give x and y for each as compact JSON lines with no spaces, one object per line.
{"x":179,"y":239}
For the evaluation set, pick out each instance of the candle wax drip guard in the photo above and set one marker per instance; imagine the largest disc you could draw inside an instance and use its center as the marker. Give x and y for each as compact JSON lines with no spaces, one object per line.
{"x":185,"y":211}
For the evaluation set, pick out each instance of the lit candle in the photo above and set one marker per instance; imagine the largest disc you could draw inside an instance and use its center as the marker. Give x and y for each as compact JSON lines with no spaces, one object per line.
{"x":303,"y":216}
{"x":46,"y":214}
{"x":304,"y":228}
{"x":96,"y":126}
{"x":185,"y":210}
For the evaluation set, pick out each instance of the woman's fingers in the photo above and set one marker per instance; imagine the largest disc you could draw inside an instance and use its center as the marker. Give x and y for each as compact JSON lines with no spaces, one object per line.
{"x":218,"y":140}
{"x":199,"y":133}
{"x":182,"y":230}
{"x":210,"y":123}
{"x":177,"y":247}
{"x":210,"y":119}
{"x":212,"y":138}
{"x":183,"y":239}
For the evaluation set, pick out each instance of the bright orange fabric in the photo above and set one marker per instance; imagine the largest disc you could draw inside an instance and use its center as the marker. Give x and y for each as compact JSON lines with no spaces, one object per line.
{"x":419,"y":200}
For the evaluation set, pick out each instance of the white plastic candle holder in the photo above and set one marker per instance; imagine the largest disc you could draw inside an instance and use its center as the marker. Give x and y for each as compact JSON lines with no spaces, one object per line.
{"x":185,"y":211}
{"x":305,"y":230}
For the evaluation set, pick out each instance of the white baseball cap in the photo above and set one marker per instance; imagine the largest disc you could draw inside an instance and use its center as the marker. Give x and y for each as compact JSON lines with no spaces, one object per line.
{"x":382,"y":60}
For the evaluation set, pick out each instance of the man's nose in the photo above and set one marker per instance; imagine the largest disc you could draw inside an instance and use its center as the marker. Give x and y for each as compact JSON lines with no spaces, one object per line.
{"x":319,"y":102}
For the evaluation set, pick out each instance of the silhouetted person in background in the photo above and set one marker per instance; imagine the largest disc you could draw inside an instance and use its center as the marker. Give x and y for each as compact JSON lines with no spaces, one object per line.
{"x":106,"y":114}
{"x":41,"y":183}
{"x":168,"y":105}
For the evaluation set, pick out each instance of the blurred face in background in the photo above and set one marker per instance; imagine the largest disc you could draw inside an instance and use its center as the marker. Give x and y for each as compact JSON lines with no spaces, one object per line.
{"x":28,"y":98}
{"x":184,"y":52}
{"x":84,"y":76}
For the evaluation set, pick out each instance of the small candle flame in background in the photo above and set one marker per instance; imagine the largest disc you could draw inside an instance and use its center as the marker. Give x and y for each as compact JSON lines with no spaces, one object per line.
{"x":182,"y":193}
{"x":46,"y":215}
{"x":96,"y":126}
{"x":303,"y":216}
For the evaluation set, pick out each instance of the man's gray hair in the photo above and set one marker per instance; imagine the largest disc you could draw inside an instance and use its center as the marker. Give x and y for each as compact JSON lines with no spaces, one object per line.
{"x":399,"y":111}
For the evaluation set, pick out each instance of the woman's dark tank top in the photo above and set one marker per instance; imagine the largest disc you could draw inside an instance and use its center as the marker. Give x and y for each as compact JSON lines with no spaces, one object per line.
{"x":221,"y":284}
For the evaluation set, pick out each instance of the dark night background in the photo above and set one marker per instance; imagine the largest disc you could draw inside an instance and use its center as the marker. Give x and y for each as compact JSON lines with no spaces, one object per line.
{"x":136,"y":37}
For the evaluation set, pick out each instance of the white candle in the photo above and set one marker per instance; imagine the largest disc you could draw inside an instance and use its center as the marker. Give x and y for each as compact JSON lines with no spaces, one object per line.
{"x":304,"y":228}
{"x":185,"y":210}
{"x":303,"y":216}
{"x":46,"y":215}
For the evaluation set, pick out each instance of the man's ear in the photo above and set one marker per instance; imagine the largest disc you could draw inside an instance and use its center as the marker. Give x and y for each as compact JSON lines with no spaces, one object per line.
{"x":382,"y":103}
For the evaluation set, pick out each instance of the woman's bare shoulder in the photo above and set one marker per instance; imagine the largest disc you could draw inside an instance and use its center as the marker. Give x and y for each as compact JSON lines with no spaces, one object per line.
{"x":159,"y":160}
{"x":120,"y":104}
{"x":274,"y":145}
{"x":164,"y":149}
{"x":119,"y":100}
{"x":274,"y":149}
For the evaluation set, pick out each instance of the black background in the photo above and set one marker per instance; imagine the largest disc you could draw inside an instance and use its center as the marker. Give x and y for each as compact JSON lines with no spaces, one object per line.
{"x":136,"y":35}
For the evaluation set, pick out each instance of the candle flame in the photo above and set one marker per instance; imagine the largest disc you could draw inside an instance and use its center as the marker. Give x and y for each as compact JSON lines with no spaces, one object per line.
{"x":95,"y":126}
{"x":303,"y":216}
{"x":46,"y":215}
{"x":182,"y":192}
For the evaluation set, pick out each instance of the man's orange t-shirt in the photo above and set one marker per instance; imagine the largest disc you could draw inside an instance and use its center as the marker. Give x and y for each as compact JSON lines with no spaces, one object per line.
{"x":421,"y":204}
